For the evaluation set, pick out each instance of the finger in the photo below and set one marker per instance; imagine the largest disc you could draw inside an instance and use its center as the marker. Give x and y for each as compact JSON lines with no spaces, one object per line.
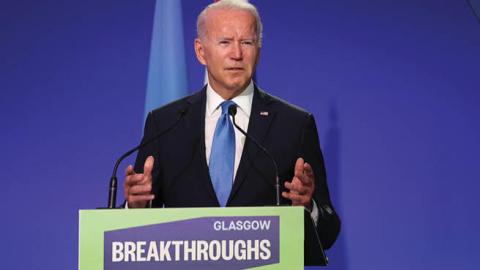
{"x":288,"y":195}
{"x":132,"y":186}
{"x":129,"y":170}
{"x":307,"y":177}
{"x":134,"y":179}
{"x":296,"y":199}
{"x":289,"y":186}
{"x":140,"y":198}
{"x":296,"y":186}
{"x":148,"y":166}
{"x":299,"y":167}
{"x":308,"y":171}
{"x":140,"y":190}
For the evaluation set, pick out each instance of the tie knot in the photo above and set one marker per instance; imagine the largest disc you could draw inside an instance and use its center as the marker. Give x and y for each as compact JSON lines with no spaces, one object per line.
{"x":225,"y":105}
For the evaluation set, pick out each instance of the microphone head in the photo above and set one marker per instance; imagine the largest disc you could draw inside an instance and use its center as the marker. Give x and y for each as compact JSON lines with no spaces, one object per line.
{"x":232,"y":110}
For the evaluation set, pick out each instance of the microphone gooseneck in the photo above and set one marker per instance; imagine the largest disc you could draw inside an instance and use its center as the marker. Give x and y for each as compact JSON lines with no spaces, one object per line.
{"x":113,"y":186}
{"x":232,"y":110}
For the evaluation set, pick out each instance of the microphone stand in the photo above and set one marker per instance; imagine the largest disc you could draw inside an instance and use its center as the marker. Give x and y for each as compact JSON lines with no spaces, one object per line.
{"x":232,"y":110}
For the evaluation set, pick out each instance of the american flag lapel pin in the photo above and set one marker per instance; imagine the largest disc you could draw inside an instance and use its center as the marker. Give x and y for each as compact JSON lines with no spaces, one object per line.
{"x":264,"y":113}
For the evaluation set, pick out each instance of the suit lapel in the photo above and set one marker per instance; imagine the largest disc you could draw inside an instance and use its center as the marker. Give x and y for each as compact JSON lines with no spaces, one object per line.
{"x":261,"y":117}
{"x":195,"y":122}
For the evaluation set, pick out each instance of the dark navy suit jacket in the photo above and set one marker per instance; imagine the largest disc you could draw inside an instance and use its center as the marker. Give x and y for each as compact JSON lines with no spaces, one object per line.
{"x":181,"y":177}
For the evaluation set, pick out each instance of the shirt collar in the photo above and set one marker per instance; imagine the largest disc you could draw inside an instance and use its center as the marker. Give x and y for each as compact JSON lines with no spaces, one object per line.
{"x":243,"y":101}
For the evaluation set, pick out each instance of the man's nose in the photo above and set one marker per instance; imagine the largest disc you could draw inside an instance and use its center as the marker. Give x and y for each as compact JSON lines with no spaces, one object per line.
{"x":237,"y":52}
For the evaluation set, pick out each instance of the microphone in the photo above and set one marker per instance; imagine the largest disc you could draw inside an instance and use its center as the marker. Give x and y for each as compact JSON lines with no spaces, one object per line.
{"x":232,"y":110}
{"x":112,"y":193}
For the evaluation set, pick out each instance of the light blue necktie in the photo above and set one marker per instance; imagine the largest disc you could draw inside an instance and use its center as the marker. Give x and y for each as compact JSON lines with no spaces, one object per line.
{"x":222,"y":156}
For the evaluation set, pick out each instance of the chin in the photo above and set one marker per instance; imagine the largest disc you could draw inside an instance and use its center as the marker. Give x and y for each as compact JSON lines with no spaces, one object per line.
{"x":240,"y":82}
{"x":238,"y":86}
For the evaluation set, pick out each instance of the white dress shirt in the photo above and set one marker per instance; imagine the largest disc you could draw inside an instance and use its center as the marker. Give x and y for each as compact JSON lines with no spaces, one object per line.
{"x":213,"y":112}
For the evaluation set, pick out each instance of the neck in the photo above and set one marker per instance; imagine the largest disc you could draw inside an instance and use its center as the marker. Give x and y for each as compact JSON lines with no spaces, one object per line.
{"x":228,"y":94}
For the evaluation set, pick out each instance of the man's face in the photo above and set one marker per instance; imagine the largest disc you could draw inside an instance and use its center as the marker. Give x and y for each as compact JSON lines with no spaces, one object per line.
{"x":229,"y":50}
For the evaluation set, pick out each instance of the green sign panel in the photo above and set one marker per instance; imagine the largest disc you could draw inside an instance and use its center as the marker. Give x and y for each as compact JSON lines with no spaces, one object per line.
{"x":192,"y":238}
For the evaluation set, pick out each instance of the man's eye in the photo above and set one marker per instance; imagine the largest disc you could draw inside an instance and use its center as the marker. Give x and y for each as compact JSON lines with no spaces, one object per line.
{"x":224,"y":42}
{"x":248,"y":42}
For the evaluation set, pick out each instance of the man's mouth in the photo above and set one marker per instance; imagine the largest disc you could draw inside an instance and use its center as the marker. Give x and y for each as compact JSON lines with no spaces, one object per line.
{"x":234,"y":68}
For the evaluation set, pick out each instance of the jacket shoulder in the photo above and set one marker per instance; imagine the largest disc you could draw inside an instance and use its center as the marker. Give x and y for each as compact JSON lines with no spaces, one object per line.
{"x":165,"y":115}
{"x":173,"y":107}
{"x":282,"y":106}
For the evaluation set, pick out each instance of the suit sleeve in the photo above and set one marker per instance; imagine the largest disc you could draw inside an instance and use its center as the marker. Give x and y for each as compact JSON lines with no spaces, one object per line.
{"x":328,"y":226}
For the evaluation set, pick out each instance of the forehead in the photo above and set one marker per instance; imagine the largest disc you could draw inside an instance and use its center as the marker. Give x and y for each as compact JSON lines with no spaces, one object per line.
{"x":232,"y":21}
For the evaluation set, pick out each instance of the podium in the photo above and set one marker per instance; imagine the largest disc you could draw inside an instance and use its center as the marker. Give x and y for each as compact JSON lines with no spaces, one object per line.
{"x":192,"y":238}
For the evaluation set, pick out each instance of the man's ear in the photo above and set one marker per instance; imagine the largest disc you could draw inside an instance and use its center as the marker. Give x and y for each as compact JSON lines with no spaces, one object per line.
{"x":200,"y":51}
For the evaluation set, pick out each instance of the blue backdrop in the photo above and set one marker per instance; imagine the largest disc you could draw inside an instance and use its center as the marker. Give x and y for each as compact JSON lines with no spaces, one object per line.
{"x":394,"y":87}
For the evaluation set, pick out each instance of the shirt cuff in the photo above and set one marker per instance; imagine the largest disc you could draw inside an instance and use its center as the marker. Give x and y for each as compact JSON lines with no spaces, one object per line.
{"x":314,"y":212}
{"x":149,"y":204}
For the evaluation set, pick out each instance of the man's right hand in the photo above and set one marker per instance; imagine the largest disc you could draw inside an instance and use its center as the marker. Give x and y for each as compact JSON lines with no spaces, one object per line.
{"x":138,"y":186}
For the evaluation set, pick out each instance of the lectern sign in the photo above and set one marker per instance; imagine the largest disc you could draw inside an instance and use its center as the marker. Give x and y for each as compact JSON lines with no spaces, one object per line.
{"x":212,"y":242}
{"x":263,"y":238}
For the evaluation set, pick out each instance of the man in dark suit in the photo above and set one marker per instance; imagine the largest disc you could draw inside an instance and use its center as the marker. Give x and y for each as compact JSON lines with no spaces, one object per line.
{"x":202,"y":161}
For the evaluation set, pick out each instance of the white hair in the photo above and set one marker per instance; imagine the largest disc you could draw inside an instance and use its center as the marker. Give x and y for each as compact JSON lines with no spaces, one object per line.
{"x":232,"y":5}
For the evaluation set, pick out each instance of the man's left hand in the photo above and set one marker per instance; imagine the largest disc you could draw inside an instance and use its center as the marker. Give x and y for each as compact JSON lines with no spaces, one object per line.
{"x":302,"y":186}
